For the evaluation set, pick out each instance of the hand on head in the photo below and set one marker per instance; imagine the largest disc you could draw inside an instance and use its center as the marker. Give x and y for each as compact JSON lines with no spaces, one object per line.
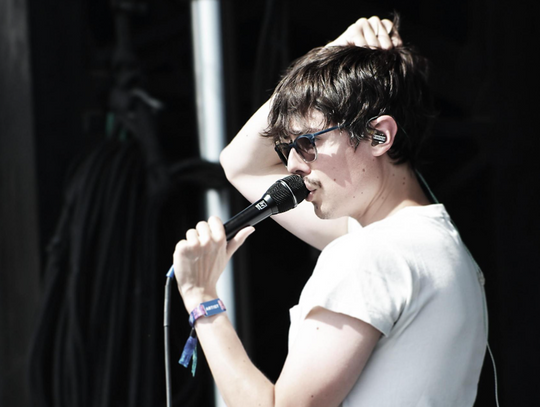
{"x":370,"y":33}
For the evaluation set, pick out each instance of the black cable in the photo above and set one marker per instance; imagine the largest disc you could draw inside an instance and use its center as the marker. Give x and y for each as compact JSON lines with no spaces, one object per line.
{"x":97,"y":342}
{"x":101,"y":269}
{"x":166,"y":317}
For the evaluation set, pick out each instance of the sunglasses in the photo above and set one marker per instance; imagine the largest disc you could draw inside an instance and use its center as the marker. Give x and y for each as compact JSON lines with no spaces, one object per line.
{"x":304,"y":146}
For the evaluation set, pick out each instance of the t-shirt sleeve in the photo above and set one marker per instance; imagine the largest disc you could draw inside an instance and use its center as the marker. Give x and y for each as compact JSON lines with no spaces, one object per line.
{"x":359,"y":276}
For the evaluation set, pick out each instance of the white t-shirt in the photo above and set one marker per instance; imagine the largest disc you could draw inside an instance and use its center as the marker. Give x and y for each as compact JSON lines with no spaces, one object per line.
{"x":411,"y":277}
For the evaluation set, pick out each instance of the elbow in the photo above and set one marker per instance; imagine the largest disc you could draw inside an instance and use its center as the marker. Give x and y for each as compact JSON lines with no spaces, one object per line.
{"x":226,"y":160}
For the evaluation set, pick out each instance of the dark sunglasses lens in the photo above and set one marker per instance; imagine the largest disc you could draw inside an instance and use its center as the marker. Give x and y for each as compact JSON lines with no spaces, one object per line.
{"x":305,"y":148}
{"x":283,"y":151}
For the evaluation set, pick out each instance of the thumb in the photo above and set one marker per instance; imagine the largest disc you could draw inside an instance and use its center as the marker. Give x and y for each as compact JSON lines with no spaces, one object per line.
{"x":238,"y":240}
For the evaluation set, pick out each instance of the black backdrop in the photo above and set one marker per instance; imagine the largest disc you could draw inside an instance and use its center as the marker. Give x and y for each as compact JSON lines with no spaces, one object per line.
{"x":483,"y":158}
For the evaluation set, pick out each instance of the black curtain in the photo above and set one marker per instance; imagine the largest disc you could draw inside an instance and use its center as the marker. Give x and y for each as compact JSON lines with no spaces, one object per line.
{"x":56,"y":108}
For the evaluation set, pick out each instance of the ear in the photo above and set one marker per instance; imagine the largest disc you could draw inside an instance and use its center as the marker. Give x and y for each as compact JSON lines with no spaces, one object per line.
{"x":384,"y":133}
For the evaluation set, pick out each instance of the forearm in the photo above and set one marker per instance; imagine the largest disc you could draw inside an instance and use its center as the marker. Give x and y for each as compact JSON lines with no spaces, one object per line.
{"x":249,"y":161}
{"x":239,"y":381}
{"x":252,"y":165}
{"x":249,"y":152}
{"x":199,"y":260}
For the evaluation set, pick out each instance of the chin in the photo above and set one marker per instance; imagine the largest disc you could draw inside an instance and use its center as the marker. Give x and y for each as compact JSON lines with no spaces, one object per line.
{"x":321,"y":213}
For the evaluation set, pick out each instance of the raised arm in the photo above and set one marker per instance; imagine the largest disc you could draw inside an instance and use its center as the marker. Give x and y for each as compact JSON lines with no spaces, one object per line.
{"x":251,"y":164}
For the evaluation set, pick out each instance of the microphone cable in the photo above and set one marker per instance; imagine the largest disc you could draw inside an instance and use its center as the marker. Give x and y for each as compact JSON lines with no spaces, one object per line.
{"x":167,"y":350}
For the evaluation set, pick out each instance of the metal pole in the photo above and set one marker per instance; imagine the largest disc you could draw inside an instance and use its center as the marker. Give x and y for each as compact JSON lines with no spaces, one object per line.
{"x":210,"y":100}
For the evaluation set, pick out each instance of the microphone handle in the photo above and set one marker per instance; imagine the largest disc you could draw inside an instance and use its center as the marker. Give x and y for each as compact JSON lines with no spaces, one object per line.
{"x":250,"y":216}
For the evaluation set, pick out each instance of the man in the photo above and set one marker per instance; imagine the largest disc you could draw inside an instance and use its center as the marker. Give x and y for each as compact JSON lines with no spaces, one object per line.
{"x":393,"y":314}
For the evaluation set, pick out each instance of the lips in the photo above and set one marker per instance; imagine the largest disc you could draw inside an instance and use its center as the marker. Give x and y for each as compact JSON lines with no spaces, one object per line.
{"x":311,"y":190}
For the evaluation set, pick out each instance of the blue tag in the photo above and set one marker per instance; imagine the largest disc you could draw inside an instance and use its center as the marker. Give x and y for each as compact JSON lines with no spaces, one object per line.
{"x":190,"y":348}
{"x":213,"y":307}
{"x":190,"y":352}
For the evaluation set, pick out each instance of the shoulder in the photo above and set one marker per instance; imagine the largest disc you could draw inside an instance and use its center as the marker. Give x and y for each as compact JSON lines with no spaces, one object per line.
{"x":391,"y":244}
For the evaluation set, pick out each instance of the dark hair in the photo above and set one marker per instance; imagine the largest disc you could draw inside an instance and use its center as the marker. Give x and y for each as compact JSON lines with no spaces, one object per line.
{"x":350,"y":85}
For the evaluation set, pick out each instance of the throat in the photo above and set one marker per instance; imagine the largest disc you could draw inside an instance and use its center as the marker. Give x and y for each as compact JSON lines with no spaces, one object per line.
{"x":399,"y":189}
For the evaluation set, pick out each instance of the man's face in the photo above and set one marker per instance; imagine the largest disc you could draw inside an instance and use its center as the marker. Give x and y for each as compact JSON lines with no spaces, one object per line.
{"x":342,"y":180}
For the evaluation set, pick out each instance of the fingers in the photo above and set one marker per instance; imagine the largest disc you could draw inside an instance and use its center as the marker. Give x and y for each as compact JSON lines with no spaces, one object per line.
{"x":370,"y":30}
{"x":238,"y":240}
{"x":190,"y":246}
{"x":207,"y":234}
{"x":216,"y":228}
{"x":203,"y":235}
{"x":370,"y":33}
{"x":375,"y":32}
{"x":381,"y":32}
{"x":392,"y":33}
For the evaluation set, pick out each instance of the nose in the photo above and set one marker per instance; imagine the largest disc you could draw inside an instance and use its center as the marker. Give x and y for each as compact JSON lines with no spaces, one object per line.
{"x":296,"y":165}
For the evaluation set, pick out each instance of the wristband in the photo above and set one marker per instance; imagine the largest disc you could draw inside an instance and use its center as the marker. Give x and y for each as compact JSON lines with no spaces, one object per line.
{"x":205,"y":309}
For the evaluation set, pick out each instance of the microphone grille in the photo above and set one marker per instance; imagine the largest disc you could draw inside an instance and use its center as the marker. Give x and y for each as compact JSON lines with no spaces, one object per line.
{"x":288,"y":192}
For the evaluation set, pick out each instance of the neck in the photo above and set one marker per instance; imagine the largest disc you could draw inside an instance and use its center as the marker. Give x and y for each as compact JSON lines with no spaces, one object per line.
{"x":398,"y":188}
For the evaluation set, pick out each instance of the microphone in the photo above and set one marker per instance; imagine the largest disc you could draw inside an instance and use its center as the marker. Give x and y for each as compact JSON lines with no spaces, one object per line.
{"x":285,"y":194}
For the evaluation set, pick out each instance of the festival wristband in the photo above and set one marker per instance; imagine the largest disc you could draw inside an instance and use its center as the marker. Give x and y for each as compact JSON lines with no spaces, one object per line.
{"x":206,"y":309}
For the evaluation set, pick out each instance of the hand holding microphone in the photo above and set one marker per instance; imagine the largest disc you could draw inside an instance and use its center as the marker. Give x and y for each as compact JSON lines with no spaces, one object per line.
{"x":283,"y":195}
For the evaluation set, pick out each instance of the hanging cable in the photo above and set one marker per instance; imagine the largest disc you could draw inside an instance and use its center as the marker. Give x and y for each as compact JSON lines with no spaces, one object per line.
{"x":98,"y":341}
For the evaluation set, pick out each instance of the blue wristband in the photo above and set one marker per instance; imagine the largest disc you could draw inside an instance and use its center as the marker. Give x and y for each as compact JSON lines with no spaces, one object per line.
{"x":206,"y":309}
